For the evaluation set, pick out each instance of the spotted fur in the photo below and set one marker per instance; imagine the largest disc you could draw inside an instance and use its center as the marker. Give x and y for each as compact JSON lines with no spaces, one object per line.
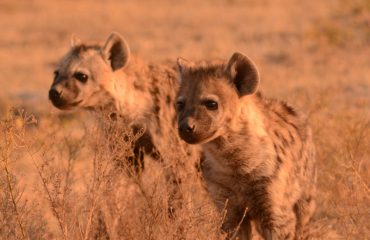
{"x":259,"y":156}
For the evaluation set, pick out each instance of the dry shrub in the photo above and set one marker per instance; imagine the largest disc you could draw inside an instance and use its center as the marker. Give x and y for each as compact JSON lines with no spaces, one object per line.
{"x":82,"y":192}
{"x":19,"y":219}
{"x":85,"y":188}
{"x":89,"y":196}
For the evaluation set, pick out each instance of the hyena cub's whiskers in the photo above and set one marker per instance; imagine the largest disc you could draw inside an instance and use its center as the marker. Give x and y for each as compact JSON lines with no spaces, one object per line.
{"x":259,"y":153}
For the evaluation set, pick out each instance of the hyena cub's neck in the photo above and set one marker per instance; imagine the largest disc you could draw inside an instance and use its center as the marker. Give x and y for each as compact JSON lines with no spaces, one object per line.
{"x":130,"y":91}
{"x":244,"y":143}
{"x":145,"y":93}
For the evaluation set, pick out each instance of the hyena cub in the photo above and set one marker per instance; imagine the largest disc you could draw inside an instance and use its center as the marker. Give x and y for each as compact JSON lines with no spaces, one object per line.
{"x":259,"y":156}
{"x":107,"y":77}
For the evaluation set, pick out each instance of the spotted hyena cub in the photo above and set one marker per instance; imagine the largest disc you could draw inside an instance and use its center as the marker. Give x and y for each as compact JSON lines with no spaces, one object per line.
{"x":259,"y":156}
{"x":108,"y":77}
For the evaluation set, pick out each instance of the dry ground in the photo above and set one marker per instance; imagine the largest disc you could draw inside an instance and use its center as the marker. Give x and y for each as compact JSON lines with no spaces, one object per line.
{"x":56,"y":178}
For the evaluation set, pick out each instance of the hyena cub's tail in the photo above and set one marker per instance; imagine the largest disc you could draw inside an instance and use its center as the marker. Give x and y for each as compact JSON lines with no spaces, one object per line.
{"x":318,"y":229}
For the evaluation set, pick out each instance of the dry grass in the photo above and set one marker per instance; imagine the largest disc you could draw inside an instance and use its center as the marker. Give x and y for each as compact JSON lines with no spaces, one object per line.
{"x":94,"y":199}
{"x":58,"y":179}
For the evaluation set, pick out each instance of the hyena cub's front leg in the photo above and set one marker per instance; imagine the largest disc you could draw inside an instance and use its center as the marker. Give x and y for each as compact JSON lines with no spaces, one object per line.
{"x":304,"y":209}
{"x":280,"y":225}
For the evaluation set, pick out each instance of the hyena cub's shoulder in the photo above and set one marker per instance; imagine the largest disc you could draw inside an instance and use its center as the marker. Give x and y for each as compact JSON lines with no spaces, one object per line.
{"x":259,"y":153}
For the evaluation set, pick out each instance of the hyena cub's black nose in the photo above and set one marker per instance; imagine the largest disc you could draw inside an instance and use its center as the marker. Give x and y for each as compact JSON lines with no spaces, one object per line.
{"x":54,"y":94}
{"x":190,"y":129}
{"x":187,"y":128}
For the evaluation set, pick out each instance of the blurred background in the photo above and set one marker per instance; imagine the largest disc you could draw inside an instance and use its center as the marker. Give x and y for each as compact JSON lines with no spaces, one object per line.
{"x":313,"y":54}
{"x":299,"y":43}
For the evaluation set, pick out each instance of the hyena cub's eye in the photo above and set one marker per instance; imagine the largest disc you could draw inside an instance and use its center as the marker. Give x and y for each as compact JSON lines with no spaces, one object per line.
{"x":180,"y":105}
{"x":210,"y":105}
{"x":80,"y":77}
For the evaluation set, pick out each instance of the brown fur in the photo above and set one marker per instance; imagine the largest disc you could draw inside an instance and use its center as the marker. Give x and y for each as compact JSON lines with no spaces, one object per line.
{"x":143,"y":94}
{"x":260,"y":159}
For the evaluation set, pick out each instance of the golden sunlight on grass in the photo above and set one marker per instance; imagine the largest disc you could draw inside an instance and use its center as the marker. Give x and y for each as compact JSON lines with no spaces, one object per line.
{"x":58,"y":170}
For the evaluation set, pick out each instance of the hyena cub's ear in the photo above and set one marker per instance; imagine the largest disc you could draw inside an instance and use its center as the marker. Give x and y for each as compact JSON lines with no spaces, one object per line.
{"x":75,"y":41}
{"x":116,"y":51}
{"x":184,"y":64}
{"x":243,"y":73}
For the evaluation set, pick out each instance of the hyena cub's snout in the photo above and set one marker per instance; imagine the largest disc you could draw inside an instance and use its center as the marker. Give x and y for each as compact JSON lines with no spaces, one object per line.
{"x":187,"y":130}
{"x":197,"y":125}
{"x":64,"y":95}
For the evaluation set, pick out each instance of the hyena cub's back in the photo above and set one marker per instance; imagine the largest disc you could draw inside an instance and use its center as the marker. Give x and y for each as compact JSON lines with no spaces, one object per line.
{"x":260,"y":160}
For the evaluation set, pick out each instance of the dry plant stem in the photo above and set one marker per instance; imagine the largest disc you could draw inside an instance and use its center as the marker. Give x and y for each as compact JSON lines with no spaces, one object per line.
{"x":240,"y":223}
{"x":361,"y":180}
{"x":94,"y":189}
{"x":44,"y":183}
{"x":67,"y":180}
{"x":362,"y":134}
{"x":14,"y":202}
{"x":91,"y":215}
{"x":354,"y":153}
{"x":5,"y":158}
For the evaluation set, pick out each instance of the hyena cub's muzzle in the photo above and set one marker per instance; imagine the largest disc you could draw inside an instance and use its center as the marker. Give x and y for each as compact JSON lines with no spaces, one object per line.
{"x":193,"y":131}
{"x":187,"y":130}
{"x":62,"y":98}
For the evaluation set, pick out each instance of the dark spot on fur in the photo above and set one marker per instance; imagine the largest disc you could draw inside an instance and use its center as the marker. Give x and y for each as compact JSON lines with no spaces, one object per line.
{"x":285,"y":142}
{"x":279,"y":160}
{"x":289,"y":109}
{"x":259,"y":95}
{"x":292,"y":139}
{"x":282,"y":150}
{"x":277,"y":134}
{"x":281,"y":117}
{"x":113,"y":116}
{"x":168,"y":100}
{"x":156,"y":109}
{"x":139,"y":87}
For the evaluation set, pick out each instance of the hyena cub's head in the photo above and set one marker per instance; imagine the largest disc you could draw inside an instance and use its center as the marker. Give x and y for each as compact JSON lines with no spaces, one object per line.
{"x":82,"y":76}
{"x":209,"y":96}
